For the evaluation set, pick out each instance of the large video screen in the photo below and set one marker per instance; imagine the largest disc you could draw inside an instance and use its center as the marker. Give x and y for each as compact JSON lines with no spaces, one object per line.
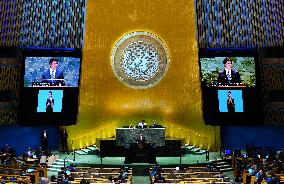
{"x":51,"y":71}
{"x":230,"y":89}
{"x":228,"y":71}
{"x":49,"y":88}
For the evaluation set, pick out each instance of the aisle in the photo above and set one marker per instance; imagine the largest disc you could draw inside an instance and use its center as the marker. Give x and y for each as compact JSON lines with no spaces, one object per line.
{"x":140,"y":179}
{"x":140,"y":173}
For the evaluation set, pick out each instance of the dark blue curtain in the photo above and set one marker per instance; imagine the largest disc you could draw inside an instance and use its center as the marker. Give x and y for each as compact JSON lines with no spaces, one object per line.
{"x":236,"y":137}
{"x":19,"y":138}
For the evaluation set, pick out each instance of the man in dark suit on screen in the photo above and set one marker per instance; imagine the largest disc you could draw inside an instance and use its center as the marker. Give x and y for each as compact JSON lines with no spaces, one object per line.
{"x":53,"y":76}
{"x":228,"y":75}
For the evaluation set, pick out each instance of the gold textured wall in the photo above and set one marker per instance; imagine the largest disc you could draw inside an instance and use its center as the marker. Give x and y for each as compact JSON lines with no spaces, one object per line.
{"x":106,"y":103}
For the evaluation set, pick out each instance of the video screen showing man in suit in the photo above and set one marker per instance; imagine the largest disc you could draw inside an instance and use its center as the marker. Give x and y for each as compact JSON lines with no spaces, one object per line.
{"x":229,"y":75}
{"x":52,"y":71}
{"x":53,"y":76}
{"x":228,"y":71}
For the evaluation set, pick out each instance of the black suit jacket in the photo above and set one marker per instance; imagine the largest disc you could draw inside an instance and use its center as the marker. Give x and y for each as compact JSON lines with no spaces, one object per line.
{"x":44,"y":139}
{"x":46,"y":77}
{"x":49,"y":107}
{"x":231,"y":105}
{"x":223,"y":79}
{"x":63,"y":135}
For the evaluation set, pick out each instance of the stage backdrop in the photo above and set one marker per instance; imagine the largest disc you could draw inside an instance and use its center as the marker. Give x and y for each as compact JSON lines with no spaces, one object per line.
{"x":175,"y":102}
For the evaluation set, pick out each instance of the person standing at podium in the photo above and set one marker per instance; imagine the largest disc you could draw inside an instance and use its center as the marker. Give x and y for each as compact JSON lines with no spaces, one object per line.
{"x":141,"y":137}
{"x":141,"y":140}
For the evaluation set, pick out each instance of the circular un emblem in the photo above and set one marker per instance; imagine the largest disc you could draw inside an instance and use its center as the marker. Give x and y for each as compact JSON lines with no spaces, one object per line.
{"x":140,"y":60}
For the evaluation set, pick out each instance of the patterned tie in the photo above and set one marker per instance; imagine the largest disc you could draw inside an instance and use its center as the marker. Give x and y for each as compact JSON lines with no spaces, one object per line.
{"x":52,"y":75}
{"x":228,"y":75}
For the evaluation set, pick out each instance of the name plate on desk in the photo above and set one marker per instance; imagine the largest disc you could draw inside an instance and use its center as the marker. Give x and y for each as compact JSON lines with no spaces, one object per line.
{"x":154,"y":136}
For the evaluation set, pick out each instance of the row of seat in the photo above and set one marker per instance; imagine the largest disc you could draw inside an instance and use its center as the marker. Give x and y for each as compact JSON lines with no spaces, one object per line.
{"x":18,"y":174}
{"x":101,"y":175}
{"x":186,"y":175}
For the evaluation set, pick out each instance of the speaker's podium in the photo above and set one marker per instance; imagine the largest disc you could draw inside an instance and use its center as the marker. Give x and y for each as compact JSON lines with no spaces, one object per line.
{"x":140,"y":153}
{"x":139,"y":150}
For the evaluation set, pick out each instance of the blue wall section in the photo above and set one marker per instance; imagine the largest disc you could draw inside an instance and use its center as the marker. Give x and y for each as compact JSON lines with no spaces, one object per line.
{"x":232,"y":137}
{"x":22,"y":137}
{"x":236,"y":137}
